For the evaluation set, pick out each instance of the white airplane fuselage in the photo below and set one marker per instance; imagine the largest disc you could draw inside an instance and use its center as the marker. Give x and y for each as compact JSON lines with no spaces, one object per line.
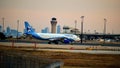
{"x":52,"y":37}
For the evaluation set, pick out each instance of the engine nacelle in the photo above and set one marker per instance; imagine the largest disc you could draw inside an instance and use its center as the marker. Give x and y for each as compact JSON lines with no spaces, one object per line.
{"x":67,"y":41}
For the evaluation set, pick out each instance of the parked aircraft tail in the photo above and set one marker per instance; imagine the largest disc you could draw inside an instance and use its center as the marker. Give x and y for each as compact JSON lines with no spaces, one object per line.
{"x":28,"y":28}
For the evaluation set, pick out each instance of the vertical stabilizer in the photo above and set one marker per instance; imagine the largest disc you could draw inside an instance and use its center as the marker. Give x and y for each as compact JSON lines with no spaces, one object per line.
{"x":28,"y":28}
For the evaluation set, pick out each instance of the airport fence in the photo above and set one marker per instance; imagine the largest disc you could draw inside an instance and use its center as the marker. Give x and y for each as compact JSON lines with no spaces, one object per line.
{"x":17,"y":60}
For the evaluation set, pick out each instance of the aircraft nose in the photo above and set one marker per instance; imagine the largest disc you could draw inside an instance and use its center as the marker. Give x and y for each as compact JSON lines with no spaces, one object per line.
{"x":78,"y":39}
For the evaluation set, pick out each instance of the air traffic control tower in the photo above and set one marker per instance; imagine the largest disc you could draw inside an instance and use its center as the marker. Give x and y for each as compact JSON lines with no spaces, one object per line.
{"x":53,"y":25}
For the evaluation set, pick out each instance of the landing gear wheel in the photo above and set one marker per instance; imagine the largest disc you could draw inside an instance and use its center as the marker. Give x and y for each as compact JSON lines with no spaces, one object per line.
{"x":49,"y":42}
{"x":56,"y":42}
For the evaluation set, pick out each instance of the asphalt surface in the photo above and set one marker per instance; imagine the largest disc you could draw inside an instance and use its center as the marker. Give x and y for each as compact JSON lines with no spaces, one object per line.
{"x":93,"y":43}
{"x":91,"y":49}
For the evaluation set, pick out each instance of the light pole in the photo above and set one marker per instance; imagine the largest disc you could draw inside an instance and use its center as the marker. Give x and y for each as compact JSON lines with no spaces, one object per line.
{"x":17,"y":27}
{"x":3,"y":19}
{"x":75,"y":25}
{"x":105,"y":20}
{"x":82,"y":17}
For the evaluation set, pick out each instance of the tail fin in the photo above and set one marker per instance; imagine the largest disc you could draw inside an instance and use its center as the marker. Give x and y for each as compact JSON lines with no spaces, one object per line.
{"x":28,"y":28}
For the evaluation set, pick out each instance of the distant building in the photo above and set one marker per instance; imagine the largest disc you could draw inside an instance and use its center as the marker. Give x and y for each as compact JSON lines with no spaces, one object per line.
{"x":45,"y":30}
{"x":53,"y":25}
{"x":11,"y":32}
{"x":8,"y":31}
{"x":67,"y":29}
{"x":58,"y":29}
{"x":14,"y":33}
{"x":75,"y":31}
{"x":42,"y":31}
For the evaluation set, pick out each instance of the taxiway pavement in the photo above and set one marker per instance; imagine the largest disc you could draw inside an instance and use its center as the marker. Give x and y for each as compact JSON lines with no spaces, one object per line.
{"x":98,"y":49}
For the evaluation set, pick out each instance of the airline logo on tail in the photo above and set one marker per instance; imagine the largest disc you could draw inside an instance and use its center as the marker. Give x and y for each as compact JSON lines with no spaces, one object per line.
{"x":29,"y":29}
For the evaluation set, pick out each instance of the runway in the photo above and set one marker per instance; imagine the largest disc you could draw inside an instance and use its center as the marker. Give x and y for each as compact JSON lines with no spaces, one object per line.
{"x":90,"y":49}
{"x":82,"y":51}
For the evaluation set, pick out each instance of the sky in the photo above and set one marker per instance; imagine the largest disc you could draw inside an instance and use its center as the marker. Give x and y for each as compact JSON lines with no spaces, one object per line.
{"x":39,"y":13}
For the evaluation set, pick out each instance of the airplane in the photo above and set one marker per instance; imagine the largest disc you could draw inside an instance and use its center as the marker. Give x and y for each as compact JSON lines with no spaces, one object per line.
{"x":51,"y":37}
